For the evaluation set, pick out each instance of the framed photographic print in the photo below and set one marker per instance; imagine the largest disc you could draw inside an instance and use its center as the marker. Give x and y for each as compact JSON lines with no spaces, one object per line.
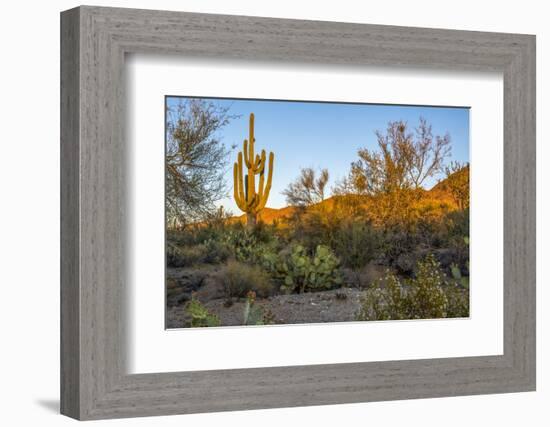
{"x":262,"y":213}
{"x":379,"y":232}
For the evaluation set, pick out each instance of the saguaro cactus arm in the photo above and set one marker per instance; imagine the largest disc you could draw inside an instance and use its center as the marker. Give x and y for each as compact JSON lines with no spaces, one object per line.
{"x":263,"y":192}
{"x":238,"y":191}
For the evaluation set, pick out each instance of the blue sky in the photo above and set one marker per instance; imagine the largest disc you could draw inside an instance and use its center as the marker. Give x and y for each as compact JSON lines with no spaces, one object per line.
{"x":324,"y":135}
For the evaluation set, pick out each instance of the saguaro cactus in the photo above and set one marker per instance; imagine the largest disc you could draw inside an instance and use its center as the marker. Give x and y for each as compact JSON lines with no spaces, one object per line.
{"x":247,"y":198}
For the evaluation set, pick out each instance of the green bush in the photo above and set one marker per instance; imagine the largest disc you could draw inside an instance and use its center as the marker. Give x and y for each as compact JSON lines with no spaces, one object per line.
{"x":238,"y":279}
{"x":458,"y":303}
{"x":181,"y":237}
{"x":200,"y":316}
{"x":456,"y":224}
{"x":398,"y":242}
{"x":212,"y":229}
{"x":429,"y":295}
{"x":265,"y":233}
{"x":384,"y":303}
{"x":184,"y":256}
{"x":309,"y":228}
{"x":356,"y":243}
{"x":216,"y":251}
{"x":210,"y":252}
{"x":455,"y":232}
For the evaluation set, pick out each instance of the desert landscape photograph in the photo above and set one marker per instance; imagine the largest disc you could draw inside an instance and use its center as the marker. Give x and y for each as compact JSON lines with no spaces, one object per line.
{"x":292,"y":212}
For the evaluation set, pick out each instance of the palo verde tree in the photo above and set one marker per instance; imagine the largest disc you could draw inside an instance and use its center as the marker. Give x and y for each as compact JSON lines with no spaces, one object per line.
{"x":308,"y":189}
{"x":196,"y":160}
{"x":400,"y":166}
{"x":247,"y":198}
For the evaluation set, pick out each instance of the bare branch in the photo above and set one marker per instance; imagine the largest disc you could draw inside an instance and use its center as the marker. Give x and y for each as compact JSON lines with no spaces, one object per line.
{"x":307,"y":189}
{"x":403,"y":160}
{"x":196,"y":159}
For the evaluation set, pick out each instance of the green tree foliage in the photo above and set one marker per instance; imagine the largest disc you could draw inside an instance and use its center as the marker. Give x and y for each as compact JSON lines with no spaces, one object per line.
{"x":395,"y":172}
{"x":403,"y":161}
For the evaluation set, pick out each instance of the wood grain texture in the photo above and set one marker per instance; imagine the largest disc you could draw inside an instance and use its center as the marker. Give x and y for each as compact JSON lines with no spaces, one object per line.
{"x":70,"y":314}
{"x":94,"y":272}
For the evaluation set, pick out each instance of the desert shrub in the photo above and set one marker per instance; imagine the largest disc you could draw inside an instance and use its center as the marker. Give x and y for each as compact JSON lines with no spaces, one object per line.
{"x":397,"y":241}
{"x":459,"y":294}
{"x":454,"y":234}
{"x":194,"y":234}
{"x":238,"y":279}
{"x":460,"y":248}
{"x":458,"y":304}
{"x":264,"y":233}
{"x":456,"y":224}
{"x":402,"y":247}
{"x":212,"y":228}
{"x":369,"y":274}
{"x":356,"y":243}
{"x":184,"y":256}
{"x":310,"y":229}
{"x":384,"y":303}
{"x":181,"y":237}
{"x":209,"y":252}
{"x":427,"y":233}
{"x":429,"y":295}
{"x":301,"y":272}
{"x":216,"y":251}
{"x":200,"y":316}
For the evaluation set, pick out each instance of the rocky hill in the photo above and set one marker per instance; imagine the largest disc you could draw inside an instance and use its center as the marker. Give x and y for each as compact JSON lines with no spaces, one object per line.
{"x":437,"y":200}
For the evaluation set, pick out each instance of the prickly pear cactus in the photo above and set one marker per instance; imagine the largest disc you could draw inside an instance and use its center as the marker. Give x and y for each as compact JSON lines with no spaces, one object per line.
{"x":200,"y":316}
{"x":457,"y":275}
{"x":301,"y":272}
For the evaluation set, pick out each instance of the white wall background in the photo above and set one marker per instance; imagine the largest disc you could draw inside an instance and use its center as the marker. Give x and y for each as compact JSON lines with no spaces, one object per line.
{"x":29,"y":212}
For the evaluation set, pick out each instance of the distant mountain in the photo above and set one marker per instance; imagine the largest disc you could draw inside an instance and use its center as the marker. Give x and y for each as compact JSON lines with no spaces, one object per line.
{"x":443,"y":185}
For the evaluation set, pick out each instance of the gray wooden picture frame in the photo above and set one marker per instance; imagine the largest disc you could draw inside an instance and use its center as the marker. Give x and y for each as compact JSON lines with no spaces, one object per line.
{"x":94,"y":41}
